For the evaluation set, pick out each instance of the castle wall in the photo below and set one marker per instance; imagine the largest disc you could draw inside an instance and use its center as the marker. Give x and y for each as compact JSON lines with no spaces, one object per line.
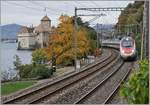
{"x":26,"y":41}
{"x":32,"y":41}
{"x":46,"y":38}
{"x":37,"y":37}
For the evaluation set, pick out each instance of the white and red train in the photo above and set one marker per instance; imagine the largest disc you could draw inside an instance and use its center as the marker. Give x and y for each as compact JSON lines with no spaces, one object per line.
{"x":128,"y":48}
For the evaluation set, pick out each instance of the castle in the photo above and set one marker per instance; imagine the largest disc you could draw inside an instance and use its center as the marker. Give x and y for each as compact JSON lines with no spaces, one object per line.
{"x":35,"y":37}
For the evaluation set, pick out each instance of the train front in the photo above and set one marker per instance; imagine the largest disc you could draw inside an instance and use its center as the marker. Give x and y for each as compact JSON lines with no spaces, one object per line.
{"x":127,"y":48}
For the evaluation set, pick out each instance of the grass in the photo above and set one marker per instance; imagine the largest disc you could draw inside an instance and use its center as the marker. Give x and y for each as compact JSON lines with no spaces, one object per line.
{"x":10,"y":87}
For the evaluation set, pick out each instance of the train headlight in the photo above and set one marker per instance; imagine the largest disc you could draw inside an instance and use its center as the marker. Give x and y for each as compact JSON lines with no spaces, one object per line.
{"x":132,"y":50}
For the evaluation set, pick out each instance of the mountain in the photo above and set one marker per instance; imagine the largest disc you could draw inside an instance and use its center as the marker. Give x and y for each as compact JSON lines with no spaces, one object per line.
{"x":9,"y":31}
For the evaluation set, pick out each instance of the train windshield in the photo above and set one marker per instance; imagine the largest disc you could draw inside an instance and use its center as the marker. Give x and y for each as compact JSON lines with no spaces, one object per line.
{"x":127,"y":43}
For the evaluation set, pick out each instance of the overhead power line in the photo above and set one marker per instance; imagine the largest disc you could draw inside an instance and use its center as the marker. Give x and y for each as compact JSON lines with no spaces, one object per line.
{"x":29,"y":7}
{"x":92,"y":14}
{"x":44,"y":6}
{"x":103,"y":9}
{"x":20,"y":5}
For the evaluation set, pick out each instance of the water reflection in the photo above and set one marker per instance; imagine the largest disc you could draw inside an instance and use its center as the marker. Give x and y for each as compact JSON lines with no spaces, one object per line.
{"x":8,"y":51}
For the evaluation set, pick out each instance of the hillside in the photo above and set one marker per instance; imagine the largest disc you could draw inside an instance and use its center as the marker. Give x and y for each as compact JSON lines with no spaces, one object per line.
{"x":9,"y":31}
{"x":132,"y":14}
{"x":132,"y":21}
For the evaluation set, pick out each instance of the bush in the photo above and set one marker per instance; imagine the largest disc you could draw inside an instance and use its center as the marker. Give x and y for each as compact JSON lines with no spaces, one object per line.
{"x":25,"y":71}
{"x":35,"y":71}
{"x":68,"y":62}
{"x":97,"y":52}
{"x":136,"y":90}
{"x":41,"y":71}
{"x":4,"y":75}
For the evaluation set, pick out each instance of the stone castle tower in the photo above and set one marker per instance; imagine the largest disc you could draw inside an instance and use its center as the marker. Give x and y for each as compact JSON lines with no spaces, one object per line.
{"x":35,"y":37}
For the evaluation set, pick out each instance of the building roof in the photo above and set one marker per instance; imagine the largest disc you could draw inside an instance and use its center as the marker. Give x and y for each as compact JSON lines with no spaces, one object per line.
{"x":42,"y":28}
{"x":38,"y":29}
{"x":25,"y":29}
{"x":45,"y":18}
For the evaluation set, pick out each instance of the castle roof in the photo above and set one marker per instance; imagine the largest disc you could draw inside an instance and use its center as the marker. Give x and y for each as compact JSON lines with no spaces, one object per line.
{"x":38,"y":29}
{"x":45,"y":18}
{"x":25,"y":29}
{"x":42,"y":28}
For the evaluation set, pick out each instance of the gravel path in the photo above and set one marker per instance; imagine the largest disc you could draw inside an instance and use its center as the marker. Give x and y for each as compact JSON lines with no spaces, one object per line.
{"x":103,"y":92}
{"x":117,"y":99}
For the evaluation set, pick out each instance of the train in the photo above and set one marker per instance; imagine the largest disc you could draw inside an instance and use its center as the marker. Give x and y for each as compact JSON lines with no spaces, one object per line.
{"x":128,"y":48}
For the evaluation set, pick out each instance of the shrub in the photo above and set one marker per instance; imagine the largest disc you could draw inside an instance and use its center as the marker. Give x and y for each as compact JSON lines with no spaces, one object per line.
{"x":4,"y":75}
{"x":25,"y":70}
{"x":37,"y":69}
{"x":17,"y":62}
{"x":97,"y":52}
{"x":136,"y":90}
{"x":34,"y":71}
{"x":41,"y":71}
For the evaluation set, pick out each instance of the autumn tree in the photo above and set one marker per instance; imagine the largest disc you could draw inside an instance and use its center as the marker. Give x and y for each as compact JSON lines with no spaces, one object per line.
{"x":61,"y":42}
{"x":91,"y":33}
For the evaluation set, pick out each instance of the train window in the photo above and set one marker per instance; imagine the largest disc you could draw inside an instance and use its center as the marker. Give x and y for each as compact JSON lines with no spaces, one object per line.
{"x":127,"y":43}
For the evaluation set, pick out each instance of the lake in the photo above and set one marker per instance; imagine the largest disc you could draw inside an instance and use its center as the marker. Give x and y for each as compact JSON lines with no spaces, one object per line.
{"x":7,"y":53}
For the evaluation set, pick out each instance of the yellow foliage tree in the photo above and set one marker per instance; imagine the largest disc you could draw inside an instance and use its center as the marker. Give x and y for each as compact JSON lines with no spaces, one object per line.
{"x":61,"y":42}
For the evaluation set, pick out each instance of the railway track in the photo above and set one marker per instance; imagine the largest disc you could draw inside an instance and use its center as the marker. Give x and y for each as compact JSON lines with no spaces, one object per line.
{"x":37,"y":94}
{"x":104,"y":91}
{"x":51,"y":93}
{"x":75,"y":92}
{"x":65,"y":96}
{"x":48,"y":82}
{"x":114,"y":96}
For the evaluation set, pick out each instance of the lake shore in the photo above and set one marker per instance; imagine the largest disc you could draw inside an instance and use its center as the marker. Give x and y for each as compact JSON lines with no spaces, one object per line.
{"x":7,"y":53}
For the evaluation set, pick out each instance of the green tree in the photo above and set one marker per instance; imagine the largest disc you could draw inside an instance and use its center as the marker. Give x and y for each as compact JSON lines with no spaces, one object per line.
{"x":17,"y":62}
{"x":37,"y":69}
{"x":132,"y":14}
{"x":136,"y":90}
{"x":39,"y":56}
{"x":91,"y":33}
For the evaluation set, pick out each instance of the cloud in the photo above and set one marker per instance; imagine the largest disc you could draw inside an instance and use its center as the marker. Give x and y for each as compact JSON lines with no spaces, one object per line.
{"x":31,"y":12}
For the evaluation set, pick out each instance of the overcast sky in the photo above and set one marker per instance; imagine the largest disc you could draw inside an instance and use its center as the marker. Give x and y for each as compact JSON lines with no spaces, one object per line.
{"x":30,"y":12}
